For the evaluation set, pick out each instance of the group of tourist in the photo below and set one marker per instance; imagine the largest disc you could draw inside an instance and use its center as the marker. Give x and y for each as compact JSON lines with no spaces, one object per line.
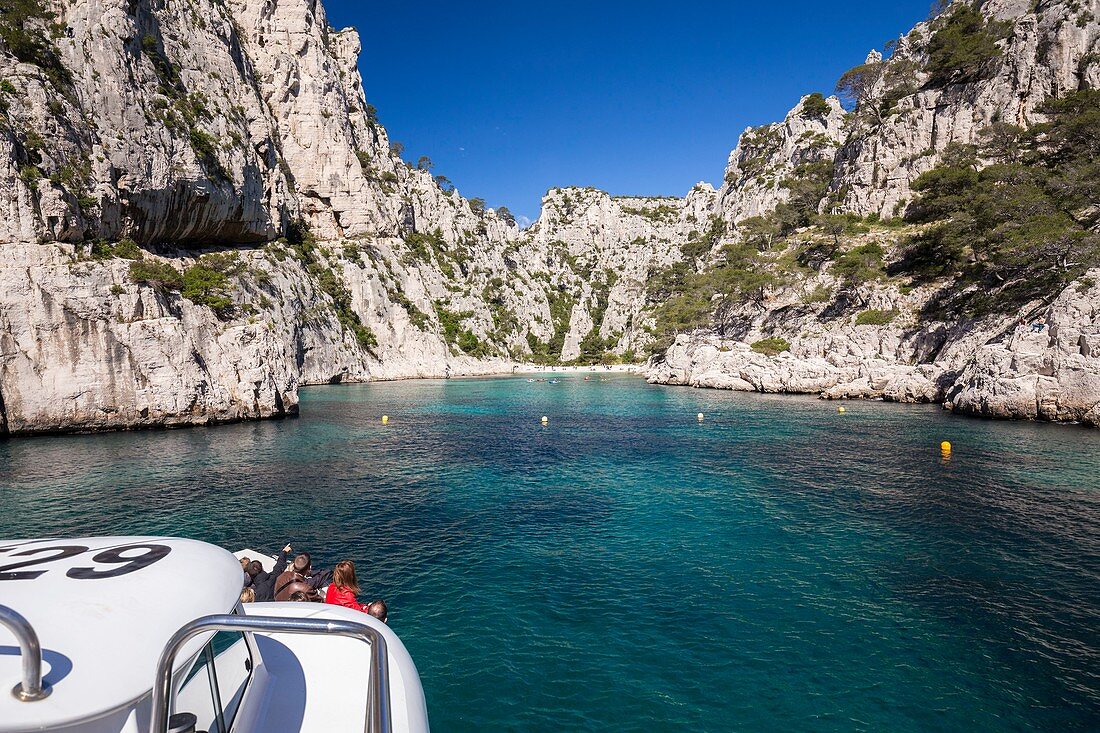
{"x":301,"y":582}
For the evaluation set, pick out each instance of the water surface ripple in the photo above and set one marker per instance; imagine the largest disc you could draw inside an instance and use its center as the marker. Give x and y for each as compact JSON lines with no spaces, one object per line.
{"x":778,"y":567}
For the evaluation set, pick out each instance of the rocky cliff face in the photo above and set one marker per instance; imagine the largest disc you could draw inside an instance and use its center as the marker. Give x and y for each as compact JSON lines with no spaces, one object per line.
{"x":75,"y":360}
{"x":880,"y":339}
{"x":609,"y":247}
{"x":766,"y":156}
{"x":149,"y":125}
{"x":199,"y":212}
{"x":184,"y":131}
{"x":1050,"y":49}
{"x":992,"y":368}
{"x":1053,"y":374}
{"x":158,"y":126}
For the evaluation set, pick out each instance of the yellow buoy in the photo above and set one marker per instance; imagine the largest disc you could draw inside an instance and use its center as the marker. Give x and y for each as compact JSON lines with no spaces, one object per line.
{"x":699,"y":417}
{"x":545,"y":419}
{"x":840,"y":409}
{"x":385,"y":419}
{"x":945,"y":447}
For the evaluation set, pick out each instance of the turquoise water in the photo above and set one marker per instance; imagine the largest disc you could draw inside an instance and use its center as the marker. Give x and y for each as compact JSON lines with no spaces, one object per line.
{"x":779,"y":567}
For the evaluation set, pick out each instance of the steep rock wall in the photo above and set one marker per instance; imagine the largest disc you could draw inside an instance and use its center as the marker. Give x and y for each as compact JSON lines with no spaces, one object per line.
{"x":160,"y":135}
{"x":984,"y":366}
{"x":605,"y":249}
{"x":765,"y":156}
{"x":1053,"y":374}
{"x":74,"y":355}
{"x":206,"y":126}
{"x":1051,"y":49}
{"x":190,"y":129}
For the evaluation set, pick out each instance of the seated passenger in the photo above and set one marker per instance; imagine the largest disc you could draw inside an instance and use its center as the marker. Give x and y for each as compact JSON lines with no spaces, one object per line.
{"x":345,"y":587}
{"x":379,"y":610}
{"x":248,"y":595}
{"x":245,"y":562}
{"x":264,"y":583}
{"x":294,"y":579}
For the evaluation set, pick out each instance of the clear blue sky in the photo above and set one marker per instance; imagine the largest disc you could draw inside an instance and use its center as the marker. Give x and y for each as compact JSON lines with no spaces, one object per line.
{"x":640,"y":97}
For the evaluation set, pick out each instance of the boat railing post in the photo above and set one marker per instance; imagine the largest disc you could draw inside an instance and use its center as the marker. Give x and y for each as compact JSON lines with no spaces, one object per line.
{"x":378,"y":719}
{"x":33,"y":687}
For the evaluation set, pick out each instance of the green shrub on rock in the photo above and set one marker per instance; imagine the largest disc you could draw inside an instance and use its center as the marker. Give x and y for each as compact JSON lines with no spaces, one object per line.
{"x":962,"y":48}
{"x":820,"y":294}
{"x":204,"y":285}
{"x":859,"y":264}
{"x":128,"y":249}
{"x":875,"y":317}
{"x":101,"y":249}
{"x":24,"y":33}
{"x":304,"y":246}
{"x":206,"y":149}
{"x":469,"y":343}
{"x":159,"y":274}
{"x":30,"y":175}
{"x":364,"y":336}
{"x":816,"y":106}
{"x":450,"y":321}
{"x":771,"y":346}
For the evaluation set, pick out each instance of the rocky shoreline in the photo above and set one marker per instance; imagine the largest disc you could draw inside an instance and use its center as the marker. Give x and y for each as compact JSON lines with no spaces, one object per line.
{"x":994,"y":369}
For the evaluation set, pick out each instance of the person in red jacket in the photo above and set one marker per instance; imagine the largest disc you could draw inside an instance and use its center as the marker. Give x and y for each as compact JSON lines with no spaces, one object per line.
{"x":344,"y":587}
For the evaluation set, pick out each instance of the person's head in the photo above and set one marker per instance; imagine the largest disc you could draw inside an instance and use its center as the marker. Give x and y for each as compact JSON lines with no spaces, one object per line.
{"x":248,"y":595}
{"x":254,"y":568}
{"x":245,"y":562}
{"x":299,"y":595}
{"x":379,"y":610}
{"x":301,"y":563}
{"x":343,"y":576}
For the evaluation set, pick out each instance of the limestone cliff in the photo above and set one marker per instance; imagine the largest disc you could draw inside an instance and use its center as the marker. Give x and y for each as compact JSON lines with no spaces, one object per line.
{"x":610,"y":246}
{"x":1050,"y":375}
{"x":1049,"y":48}
{"x":766,"y":156}
{"x":200,"y":212}
{"x":141,"y":142}
{"x":994,"y":367}
{"x":818,"y":329}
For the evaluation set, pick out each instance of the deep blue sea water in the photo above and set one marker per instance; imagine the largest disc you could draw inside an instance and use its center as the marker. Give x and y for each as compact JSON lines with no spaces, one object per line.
{"x":779,"y":567}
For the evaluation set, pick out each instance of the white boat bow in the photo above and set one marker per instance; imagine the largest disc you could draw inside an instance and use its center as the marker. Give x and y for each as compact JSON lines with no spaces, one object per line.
{"x":109,"y":612}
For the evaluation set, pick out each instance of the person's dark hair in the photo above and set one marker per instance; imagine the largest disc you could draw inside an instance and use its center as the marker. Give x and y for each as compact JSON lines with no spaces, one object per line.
{"x":301,"y":563}
{"x":299,"y":595}
{"x":379,"y":610}
{"x":254,"y":568}
{"x":343,"y":576}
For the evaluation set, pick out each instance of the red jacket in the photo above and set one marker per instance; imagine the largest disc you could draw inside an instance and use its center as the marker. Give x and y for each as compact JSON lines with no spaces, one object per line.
{"x":342,"y":597}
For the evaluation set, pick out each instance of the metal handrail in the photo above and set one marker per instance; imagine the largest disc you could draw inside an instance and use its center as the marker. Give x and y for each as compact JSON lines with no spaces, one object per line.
{"x":33,"y":687}
{"x":378,"y":695}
